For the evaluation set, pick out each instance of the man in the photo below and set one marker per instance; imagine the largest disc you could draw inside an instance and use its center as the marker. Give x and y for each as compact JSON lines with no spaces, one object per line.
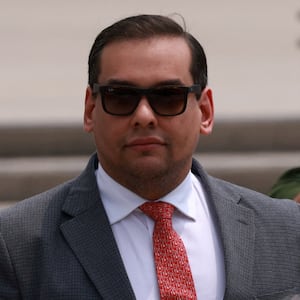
{"x":91,"y":238}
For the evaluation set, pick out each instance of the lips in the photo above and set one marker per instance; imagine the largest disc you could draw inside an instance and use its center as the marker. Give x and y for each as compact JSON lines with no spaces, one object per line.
{"x":145,"y":143}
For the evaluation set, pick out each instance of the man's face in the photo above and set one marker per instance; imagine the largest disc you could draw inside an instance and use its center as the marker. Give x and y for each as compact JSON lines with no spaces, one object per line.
{"x":144,"y":145}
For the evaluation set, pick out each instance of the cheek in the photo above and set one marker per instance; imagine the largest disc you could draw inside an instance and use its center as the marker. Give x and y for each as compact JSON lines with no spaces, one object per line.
{"x":192,"y":123}
{"x":109,"y":133}
{"x":101,"y":130}
{"x":191,"y":127}
{"x":186,"y":132}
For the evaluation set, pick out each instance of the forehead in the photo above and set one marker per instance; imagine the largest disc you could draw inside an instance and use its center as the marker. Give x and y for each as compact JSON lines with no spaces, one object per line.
{"x":157,"y":58}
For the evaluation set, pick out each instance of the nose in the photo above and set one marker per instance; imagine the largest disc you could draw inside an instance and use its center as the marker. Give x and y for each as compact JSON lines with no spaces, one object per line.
{"x":144,"y":116}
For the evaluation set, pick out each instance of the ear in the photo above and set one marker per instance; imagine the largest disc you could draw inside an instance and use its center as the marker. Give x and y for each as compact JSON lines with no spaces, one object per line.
{"x":89,"y":107}
{"x":206,"y":106}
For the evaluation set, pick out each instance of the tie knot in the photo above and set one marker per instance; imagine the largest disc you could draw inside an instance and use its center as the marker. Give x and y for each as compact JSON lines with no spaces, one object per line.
{"x":158,"y":210}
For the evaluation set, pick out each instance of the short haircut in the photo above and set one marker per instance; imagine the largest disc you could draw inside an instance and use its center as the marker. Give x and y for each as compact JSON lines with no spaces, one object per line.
{"x":144,"y":27}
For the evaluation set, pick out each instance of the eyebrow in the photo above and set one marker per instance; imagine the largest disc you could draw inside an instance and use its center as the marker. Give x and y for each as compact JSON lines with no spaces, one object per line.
{"x":168,"y":82}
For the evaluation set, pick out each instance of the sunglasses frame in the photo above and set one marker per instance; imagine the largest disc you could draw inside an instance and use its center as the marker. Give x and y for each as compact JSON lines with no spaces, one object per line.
{"x":102,"y":89}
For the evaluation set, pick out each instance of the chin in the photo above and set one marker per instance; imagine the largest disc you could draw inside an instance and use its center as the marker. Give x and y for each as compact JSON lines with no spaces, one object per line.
{"x":150,"y":167}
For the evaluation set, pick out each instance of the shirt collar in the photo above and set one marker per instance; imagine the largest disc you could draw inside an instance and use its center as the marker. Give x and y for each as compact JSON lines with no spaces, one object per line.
{"x":119,"y":202}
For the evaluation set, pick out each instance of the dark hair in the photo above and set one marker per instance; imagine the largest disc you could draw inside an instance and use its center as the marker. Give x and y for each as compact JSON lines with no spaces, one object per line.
{"x":143,"y":27}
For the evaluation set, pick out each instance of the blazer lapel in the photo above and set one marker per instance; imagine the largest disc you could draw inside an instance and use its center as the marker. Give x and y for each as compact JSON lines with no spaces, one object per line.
{"x":89,"y":235}
{"x":237,"y":232}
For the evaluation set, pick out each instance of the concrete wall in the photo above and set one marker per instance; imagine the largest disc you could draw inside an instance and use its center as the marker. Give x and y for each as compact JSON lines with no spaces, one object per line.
{"x":252,"y":47}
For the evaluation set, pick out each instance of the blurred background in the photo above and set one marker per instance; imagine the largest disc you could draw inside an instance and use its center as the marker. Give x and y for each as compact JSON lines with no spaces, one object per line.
{"x":253,"y":51}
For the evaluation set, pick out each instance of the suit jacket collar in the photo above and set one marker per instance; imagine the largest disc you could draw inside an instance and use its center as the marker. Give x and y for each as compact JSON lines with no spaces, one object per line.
{"x":89,"y":235}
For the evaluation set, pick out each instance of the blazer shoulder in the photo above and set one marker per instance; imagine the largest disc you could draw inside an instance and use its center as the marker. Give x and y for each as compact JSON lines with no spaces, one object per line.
{"x":47,"y":207}
{"x":254,"y":199}
{"x":221,"y":190}
{"x":32,"y":209}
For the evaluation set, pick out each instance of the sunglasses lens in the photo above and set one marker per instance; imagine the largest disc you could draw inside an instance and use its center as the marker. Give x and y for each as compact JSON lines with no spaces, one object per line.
{"x":119,"y":100}
{"x":168,"y":101}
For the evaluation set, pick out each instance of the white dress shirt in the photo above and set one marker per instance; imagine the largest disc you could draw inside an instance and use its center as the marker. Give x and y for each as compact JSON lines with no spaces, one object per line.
{"x":192,"y":220}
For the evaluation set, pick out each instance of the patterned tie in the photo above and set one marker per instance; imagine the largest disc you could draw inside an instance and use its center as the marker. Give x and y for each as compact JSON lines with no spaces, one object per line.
{"x":172,"y":266}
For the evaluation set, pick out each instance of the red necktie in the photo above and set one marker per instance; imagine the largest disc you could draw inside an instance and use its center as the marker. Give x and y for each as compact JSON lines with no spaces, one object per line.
{"x":172,"y":266}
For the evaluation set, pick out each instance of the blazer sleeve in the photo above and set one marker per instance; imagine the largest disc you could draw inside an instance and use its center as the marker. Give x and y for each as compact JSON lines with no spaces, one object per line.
{"x":8,"y":280}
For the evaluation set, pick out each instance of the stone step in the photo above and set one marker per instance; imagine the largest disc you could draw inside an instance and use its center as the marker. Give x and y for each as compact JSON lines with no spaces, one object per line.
{"x":228,"y":136}
{"x":24,"y":176}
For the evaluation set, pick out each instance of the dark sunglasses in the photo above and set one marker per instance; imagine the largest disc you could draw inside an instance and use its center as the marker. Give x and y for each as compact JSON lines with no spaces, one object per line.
{"x":164,"y":100}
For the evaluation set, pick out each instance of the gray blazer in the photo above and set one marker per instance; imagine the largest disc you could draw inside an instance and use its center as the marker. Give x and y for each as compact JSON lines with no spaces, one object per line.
{"x":59,"y":244}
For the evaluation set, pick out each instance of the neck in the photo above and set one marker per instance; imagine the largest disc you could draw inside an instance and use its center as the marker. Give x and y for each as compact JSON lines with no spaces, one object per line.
{"x":152,"y":186}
